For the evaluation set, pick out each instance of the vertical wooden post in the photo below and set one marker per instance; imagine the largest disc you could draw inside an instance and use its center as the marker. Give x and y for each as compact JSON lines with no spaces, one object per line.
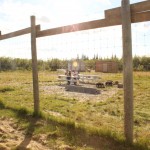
{"x":34,"y":66}
{"x":127,"y":71}
{"x":0,"y":62}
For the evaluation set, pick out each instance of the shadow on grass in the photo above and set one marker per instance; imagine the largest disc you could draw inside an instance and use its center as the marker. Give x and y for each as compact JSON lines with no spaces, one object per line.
{"x":22,"y":114}
{"x":28,"y":136}
{"x":73,"y":135}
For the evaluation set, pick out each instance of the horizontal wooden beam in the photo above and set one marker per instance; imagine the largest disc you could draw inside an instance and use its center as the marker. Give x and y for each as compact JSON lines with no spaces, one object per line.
{"x":18,"y":33}
{"x":114,"y":21}
{"x":80,"y":27}
{"x":73,"y":28}
{"x":135,"y":8}
{"x":115,"y":12}
{"x":140,"y":7}
{"x":140,"y":17}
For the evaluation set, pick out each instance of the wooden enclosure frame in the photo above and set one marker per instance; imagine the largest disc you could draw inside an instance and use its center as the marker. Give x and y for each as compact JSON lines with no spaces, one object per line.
{"x":124,"y":15}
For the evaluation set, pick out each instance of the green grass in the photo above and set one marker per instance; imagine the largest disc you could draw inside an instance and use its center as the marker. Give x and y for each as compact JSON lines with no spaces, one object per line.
{"x":6,"y":89}
{"x":64,"y":131}
{"x":97,"y":119}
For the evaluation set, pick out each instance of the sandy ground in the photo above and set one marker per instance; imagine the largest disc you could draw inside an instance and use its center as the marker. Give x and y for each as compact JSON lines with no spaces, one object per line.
{"x":14,"y":138}
{"x":11,"y":136}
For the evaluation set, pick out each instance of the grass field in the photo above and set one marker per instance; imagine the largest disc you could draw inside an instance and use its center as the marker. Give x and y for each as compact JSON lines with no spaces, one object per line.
{"x":94,"y":123}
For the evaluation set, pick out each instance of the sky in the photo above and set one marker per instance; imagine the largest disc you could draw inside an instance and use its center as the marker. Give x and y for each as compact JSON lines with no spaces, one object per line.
{"x":15,"y":15}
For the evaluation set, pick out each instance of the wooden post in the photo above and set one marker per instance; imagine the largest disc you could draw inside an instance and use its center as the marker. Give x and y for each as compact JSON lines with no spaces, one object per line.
{"x":34,"y":66}
{"x":127,"y":71}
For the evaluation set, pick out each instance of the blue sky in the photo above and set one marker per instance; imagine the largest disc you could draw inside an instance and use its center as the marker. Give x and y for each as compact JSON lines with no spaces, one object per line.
{"x":15,"y":14}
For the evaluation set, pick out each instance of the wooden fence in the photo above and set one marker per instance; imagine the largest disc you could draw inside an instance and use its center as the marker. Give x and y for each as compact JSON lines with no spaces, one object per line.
{"x":124,"y":15}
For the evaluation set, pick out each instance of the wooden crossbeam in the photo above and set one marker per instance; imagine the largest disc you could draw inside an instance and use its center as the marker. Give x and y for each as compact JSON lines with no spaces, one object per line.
{"x":113,"y":13}
{"x":135,"y":8}
{"x":139,"y":17}
{"x":18,"y":33}
{"x":135,"y":18}
{"x":73,"y":28}
{"x":140,"y":7}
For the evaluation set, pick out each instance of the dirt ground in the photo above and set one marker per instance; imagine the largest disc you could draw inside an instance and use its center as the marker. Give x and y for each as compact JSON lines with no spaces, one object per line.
{"x":11,"y":136}
{"x":14,"y":138}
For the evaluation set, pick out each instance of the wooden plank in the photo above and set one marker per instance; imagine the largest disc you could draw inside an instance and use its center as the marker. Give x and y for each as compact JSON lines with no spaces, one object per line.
{"x":73,"y":28}
{"x":114,"y":21}
{"x":115,"y":12}
{"x":140,"y":17}
{"x":79,"y":27}
{"x":135,"y":18}
{"x":138,"y":7}
{"x":18,"y":33}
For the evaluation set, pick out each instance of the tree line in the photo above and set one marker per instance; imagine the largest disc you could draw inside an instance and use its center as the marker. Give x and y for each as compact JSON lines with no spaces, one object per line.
{"x":7,"y":63}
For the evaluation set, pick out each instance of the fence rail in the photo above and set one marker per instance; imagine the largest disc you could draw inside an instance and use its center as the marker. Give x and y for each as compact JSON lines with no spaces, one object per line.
{"x":18,"y":33}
